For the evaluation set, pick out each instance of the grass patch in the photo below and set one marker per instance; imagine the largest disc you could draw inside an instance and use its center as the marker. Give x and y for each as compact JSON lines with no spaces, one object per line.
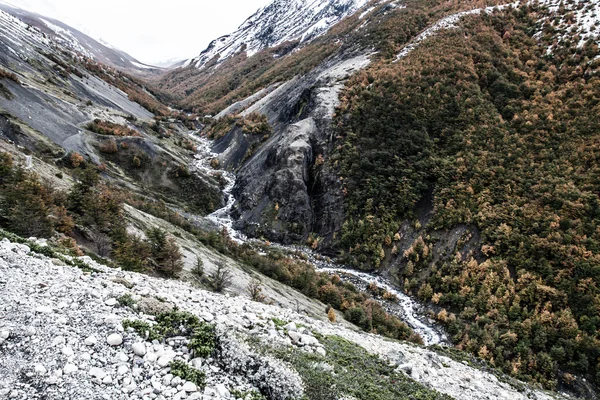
{"x":349,"y":370}
{"x":184,"y":371}
{"x":178,"y":323}
{"x":126,"y":301}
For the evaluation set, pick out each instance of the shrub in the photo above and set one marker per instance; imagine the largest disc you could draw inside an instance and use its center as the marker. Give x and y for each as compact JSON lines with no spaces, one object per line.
{"x":221,"y":278}
{"x":109,"y":128}
{"x":166,"y":255}
{"x":188,"y":373}
{"x":254,"y":290}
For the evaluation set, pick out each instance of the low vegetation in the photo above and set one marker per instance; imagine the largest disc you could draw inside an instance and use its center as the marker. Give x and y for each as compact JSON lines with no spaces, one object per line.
{"x":349,"y":371}
{"x":109,"y":128}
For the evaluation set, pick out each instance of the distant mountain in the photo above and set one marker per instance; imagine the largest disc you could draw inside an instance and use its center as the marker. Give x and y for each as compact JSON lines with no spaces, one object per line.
{"x":70,"y":38}
{"x":279,"y":22}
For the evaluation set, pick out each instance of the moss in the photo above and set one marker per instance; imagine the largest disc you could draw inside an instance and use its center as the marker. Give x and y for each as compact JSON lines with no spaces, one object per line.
{"x":126,"y":300}
{"x":184,"y":371}
{"x":349,"y":370}
{"x":178,"y":323}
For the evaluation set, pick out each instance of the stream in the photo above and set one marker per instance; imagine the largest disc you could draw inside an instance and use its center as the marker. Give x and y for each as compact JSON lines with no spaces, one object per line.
{"x":406,"y":308}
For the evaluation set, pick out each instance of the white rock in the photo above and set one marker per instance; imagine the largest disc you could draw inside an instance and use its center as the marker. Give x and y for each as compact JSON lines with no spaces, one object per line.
{"x":115,"y":339}
{"x":122,"y":370}
{"x":91,"y":340}
{"x":139,"y":349}
{"x":222,"y":391}
{"x":321,"y":351}
{"x":62,"y":321}
{"x":151,"y":357}
{"x":43,"y":310}
{"x":129,"y":388}
{"x":111,"y":302}
{"x":58,"y":341}
{"x":107,"y":380}
{"x":40,"y":369}
{"x":176,"y":381}
{"x":97,"y":373}
{"x":67,"y":351}
{"x":291,"y":327}
{"x":70,"y":368}
{"x":164,"y":361}
{"x":4,"y":335}
{"x":190,"y":387}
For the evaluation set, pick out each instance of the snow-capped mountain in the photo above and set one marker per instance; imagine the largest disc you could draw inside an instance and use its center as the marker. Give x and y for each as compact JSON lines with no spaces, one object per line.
{"x":278,"y":22}
{"x":65,"y":36}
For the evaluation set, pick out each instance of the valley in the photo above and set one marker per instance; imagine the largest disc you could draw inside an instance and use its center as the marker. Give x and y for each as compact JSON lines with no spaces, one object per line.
{"x":409,"y":187}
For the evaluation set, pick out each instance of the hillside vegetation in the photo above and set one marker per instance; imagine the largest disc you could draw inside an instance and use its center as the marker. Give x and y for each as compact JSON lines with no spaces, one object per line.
{"x":499,"y":130}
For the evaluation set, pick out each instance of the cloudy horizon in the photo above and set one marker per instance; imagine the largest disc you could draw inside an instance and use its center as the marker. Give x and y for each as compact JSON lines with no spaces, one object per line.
{"x":165,"y":31}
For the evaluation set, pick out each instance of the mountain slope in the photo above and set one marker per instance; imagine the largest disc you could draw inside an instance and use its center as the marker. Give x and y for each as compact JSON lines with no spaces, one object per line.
{"x":76,"y":41}
{"x":62,"y":335}
{"x":279,"y":22}
{"x":458,"y":160}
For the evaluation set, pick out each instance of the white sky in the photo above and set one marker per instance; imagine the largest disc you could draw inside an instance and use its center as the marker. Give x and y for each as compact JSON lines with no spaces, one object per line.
{"x":150,"y":30}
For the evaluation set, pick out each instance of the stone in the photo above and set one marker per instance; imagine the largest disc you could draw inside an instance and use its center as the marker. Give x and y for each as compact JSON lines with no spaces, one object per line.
{"x":222,"y":390}
{"x":164,"y":361}
{"x":190,"y":387}
{"x":67,"y":351}
{"x":139,"y":349}
{"x":291,"y":327}
{"x":40,"y":369}
{"x":321,"y":351}
{"x":4,"y":335}
{"x":70,"y":368}
{"x":91,"y":340}
{"x":44,"y":310}
{"x":97,"y":373}
{"x":115,"y":339}
{"x":122,"y":370}
{"x":111,"y":302}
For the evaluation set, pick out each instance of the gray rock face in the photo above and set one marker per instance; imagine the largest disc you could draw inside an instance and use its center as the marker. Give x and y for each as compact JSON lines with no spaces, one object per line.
{"x":283,"y":191}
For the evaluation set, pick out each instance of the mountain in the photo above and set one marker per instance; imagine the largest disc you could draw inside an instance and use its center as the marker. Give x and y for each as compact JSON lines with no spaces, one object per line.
{"x":443,"y":145}
{"x":279,"y":22}
{"x":72,"y":39}
{"x":424,"y":171}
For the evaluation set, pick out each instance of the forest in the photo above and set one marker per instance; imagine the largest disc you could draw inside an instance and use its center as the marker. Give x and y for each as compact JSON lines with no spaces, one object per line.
{"x":497,"y":125}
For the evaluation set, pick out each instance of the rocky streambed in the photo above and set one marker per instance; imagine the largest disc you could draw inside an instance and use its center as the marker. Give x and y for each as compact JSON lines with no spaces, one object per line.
{"x":405,"y":307}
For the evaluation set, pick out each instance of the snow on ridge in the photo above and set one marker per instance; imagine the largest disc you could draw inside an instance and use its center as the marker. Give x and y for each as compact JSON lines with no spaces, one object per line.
{"x":278,"y":22}
{"x":586,"y":16}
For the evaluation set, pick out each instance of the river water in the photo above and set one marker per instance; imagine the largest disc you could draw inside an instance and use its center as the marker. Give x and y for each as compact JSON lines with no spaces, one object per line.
{"x":406,"y":308}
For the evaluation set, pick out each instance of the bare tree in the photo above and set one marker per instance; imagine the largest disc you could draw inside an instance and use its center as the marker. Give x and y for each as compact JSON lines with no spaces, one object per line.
{"x":221,"y":278}
{"x":254,"y":289}
{"x":102,"y":242}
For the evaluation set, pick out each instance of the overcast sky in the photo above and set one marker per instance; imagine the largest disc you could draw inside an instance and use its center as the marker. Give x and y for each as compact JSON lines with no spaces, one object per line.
{"x":150,"y":30}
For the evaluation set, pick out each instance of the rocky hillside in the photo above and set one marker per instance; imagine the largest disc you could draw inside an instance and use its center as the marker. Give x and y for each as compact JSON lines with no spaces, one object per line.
{"x":72,"y":39}
{"x":446,"y":145}
{"x":281,"y":21}
{"x":98,"y":332}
